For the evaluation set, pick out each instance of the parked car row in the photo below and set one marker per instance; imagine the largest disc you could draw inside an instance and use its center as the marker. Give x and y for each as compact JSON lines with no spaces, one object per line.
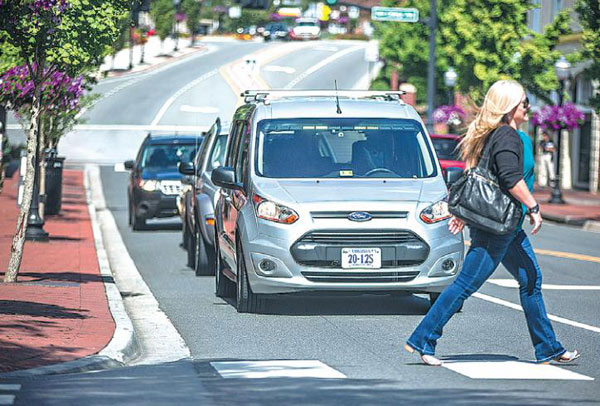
{"x":310,"y":192}
{"x":303,"y":29}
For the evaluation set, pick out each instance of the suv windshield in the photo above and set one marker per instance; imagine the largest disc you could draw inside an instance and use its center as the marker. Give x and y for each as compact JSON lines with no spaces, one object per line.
{"x":446,"y":148}
{"x":306,"y":24}
{"x":343,"y":148}
{"x":166,"y":156}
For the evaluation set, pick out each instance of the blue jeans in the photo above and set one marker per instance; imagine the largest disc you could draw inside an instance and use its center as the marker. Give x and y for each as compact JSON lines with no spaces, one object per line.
{"x":486,"y":252}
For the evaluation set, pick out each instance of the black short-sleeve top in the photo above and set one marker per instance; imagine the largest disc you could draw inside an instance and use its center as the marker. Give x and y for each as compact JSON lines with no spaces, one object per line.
{"x":506,"y":156}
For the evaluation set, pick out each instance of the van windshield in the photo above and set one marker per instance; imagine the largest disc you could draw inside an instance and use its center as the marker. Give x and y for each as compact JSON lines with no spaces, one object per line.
{"x":343,"y":148}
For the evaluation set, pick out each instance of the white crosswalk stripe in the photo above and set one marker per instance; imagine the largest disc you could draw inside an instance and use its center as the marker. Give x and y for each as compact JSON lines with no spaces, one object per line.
{"x":511,"y":283}
{"x":276,"y":369}
{"x":7,"y":400}
{"x":512,"y":370}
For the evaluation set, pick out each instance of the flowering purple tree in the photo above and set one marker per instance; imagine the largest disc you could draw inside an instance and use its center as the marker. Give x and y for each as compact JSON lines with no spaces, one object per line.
{"x":451,"y":115}
{"x":42,"y":32}
{"x":557,"y":118}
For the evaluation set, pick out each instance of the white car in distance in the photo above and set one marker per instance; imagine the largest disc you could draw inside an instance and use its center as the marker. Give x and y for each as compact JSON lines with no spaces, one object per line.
{"x":306,"y":28}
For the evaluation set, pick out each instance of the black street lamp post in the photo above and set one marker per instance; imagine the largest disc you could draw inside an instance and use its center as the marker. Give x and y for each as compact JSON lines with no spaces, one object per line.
{"x":35,"y":223}
{"x":562,"y":68}
{"x":176,"y":4}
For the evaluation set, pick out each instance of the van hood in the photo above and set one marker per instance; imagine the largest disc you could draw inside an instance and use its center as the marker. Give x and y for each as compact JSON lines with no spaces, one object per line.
{"x":311,"y":191}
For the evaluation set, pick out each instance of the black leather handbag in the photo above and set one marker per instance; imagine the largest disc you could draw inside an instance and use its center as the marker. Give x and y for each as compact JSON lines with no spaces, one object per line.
{"x":479,"y":200}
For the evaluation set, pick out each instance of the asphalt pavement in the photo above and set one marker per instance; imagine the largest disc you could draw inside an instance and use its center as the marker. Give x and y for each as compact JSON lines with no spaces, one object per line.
{"x":354,"y":341}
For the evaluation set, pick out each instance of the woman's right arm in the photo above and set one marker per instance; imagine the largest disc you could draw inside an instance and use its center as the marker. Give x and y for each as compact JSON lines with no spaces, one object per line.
{"x":521,"y":192}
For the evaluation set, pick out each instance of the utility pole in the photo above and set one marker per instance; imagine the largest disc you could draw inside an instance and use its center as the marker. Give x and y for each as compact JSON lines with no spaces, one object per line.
{"x":431,"y":65}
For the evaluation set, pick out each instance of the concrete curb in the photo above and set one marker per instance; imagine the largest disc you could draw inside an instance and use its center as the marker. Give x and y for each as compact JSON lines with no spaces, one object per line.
{"x":123,"y":346}
{"x":189,"y":51}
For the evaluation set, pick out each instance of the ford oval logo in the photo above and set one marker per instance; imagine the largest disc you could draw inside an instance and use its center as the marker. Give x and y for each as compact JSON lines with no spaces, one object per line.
{"x":359,"y":216}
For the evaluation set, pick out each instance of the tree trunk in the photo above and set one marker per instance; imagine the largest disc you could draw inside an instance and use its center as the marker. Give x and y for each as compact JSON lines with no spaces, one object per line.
{"x":16,"y":250}
{"x":42,"y":169}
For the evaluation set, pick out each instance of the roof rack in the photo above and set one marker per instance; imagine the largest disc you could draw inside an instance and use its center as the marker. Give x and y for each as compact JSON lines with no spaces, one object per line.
{"x":258,"y":96}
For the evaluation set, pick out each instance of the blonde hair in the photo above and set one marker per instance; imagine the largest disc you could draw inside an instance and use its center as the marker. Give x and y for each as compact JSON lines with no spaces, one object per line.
{"x":502,"y":98}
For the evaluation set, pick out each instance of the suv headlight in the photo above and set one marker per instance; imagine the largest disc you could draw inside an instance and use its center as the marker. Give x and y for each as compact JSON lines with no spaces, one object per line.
{"x":436,"y":212}
{"x":149,"y":185}
{"x":268,"y":210}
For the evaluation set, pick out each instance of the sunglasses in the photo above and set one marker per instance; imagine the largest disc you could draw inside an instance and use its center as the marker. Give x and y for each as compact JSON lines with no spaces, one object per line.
{"x":525,"y":103}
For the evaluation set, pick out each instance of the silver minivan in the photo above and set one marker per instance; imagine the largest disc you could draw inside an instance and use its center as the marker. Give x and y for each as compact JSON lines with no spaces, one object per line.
{"x":331,"y":191}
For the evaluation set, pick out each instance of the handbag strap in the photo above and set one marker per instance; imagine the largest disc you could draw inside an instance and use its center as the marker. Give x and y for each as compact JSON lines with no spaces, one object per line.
{"x":484,"y":159}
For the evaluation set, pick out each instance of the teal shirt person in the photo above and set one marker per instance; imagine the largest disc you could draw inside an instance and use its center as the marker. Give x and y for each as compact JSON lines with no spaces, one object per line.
{"x":528,"y":167}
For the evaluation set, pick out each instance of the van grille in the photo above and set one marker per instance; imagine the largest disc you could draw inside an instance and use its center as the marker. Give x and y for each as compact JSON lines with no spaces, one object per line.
{"x":361,"y":238}
{"x":360,"y":277}
{"x":323,"y":248}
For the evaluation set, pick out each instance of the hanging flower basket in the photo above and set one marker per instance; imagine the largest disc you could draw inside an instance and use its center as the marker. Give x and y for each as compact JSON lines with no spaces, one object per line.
{"x":450,"y":115}
{"x":559,"y":117}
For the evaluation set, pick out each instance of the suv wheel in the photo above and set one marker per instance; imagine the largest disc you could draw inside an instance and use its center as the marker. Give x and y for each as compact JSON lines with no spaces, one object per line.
{"x":247,"y":301}
{"x":191,"y":250}
{"x":137,"y":223}
{"x":223,"y":286}
{"x":204,"y":264}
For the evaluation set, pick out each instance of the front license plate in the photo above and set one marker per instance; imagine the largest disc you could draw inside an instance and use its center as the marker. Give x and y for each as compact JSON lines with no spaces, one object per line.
{"x":361,"y":258}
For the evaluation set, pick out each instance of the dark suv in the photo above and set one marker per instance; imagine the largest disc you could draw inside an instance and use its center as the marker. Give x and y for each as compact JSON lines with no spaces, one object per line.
{"x":155,"y":181}
{"x":197,"y":206}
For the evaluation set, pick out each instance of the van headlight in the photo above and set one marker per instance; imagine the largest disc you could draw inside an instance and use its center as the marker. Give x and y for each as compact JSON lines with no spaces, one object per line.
{"x":268,"y":210}
{"x":149,"y":185}
{"x":436,"y":212}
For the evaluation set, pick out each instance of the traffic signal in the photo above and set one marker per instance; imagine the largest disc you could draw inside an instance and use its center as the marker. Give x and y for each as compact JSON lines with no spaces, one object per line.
{"x":331,"y":2}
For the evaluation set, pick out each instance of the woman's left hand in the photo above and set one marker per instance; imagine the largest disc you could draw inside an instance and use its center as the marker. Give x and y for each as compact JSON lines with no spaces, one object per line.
{"x":536,"y":220}
{"x":455,"y":225}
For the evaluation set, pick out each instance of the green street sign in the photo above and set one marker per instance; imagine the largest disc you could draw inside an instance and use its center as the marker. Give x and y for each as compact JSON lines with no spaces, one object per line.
{"x":404,"y":15}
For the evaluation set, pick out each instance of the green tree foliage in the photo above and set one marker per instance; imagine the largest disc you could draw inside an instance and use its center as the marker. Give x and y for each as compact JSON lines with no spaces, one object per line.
{"x":484,"y":41}
{"x":162,"y":13}
{"x":70,"y":36}
{"x":405,"y":48}
{"x":589,"y":16}
{"x":192,"y":10}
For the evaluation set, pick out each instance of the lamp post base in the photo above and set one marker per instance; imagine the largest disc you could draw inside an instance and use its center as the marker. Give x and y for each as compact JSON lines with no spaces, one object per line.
{"x":35,"y":229}
{"x":556,"y":197}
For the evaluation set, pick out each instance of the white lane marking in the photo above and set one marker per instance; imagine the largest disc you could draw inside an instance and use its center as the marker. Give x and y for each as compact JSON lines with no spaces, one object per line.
{"x":10,"y":386}
{"x":511,"y":283}
{"x":276,"y":369}
{"x":186,"y":108}
{"x":7,"y":399}
{"x":140,"y":127}
{"x":275,"y":68}
{"x":512,"y":370}
{"x":326,"y":48}
{"x":181,"y":91}
{"x":552,"y":317}
{"x":320,"y":65}
{"x":120,"y":167}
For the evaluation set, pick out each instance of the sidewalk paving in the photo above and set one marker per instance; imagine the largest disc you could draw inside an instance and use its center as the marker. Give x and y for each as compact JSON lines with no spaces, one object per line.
{"x":581,"y":209}
{"x":58,"y":310}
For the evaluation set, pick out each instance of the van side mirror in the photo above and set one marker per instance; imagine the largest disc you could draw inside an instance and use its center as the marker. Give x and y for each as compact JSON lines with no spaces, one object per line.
{"x":186,"y":168}
{"x":452,"y":175}
{"x":129,"y":164}
{"x":224,"y":177}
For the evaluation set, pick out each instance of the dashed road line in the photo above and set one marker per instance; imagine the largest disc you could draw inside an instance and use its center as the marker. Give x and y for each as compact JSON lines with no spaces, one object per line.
{"x":276,"y":369}
{"x":512,"y":370}
{"x":320,"y":65}
{"x":552,"y":317}
{"x":180,"y":92}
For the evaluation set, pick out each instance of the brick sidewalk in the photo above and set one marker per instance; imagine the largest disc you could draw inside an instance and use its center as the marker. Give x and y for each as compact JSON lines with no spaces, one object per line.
{"x":58,"y":310}
{"x":580,"y":207}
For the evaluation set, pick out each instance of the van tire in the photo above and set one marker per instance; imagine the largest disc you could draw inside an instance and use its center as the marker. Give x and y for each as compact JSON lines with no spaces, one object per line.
{"x":247,"y":301}
{"x":204,"y":264}
{"x":223,"y":286}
